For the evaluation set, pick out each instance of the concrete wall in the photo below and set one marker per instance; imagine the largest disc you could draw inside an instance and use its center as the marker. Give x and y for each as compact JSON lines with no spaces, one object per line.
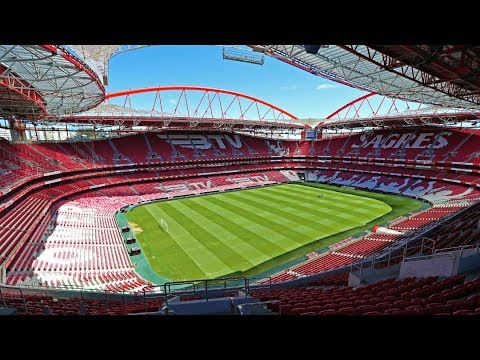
{"x":226,"y":306}
{"x":469,"y":263}
{"x":435,"y":266}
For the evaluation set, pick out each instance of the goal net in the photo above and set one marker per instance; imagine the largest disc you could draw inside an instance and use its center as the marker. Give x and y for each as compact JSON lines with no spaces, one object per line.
{"x":164,"y":225}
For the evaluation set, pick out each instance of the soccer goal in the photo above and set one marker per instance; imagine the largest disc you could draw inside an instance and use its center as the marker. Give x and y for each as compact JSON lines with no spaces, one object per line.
{"x":164,"y":225}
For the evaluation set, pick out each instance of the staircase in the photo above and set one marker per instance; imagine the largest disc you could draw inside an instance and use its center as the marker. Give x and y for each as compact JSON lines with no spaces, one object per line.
{"x":216,"y":152}
{"x":136,"y":192}
{"x":342,"y":149}
{"x":51,"y":161}
{"x":454,"y":151}
{"x":175,"y":153}
{"x":81,"y":152}
{"x":429,"y":153}
{"x":73,"y":157}
{"x":197,"y":152}
{"x":312,"y":148}
{"x":118,"y":155}
{"x":18,"y":160}
{"x":401,"y":152}
{"x":326,"y":151}
{"x":250,"y":150}
{"x":377,"y":152}
{"x":152,"y":155}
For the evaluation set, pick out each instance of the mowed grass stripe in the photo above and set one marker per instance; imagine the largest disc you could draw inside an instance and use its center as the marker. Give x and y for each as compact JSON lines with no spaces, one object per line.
{"x":312,"y":206}
{"x":219,"y":234}
{"x":335,"y":203}
{"x":286,"y":215}
{"x":162,"y":249}
{"x":240,"y":242}
{"x":262,"y":238}
{"x":274,"y":214}
{"x":315,"y":217}
{"x":355,"y":205}
{"x":228,"y":228}
{"x":178,"y":233}
{"x":324,"y":209}
{"x":306,"y":191}
{"x":266,"y":221}
{"x":289,"y":219}
{"x":210,"y":253}
{"x":329,"y":198}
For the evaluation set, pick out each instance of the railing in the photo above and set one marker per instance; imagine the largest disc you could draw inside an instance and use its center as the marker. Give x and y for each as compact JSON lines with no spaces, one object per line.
{"x":21,"y":293}
{"x":459,"y":248}
{"x":204,"y":286}
{"x":260,"y":283}
{"x":393,"y":256}
{"x":260,"y":308}
{"x":388,"y":251}
{"x":425,"y":257}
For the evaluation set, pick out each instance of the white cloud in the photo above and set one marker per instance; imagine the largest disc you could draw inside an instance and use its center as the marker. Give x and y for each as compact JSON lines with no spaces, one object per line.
{"x":288,"y":88}
{"x":326,"y":86}
{"x":173,"y":101}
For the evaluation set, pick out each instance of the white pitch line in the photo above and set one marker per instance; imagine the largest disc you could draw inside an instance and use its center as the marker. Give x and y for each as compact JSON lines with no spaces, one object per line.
{"x":185,"y":251}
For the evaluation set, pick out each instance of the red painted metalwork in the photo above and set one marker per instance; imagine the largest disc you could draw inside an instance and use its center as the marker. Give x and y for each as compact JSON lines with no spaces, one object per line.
{"x":211,"y":112}
{"x":199,"y":88}
{"x":28,"y":92}
{"x":78,"y":63}
{"x":349,"y":104}
{"x":349,"y":116}
{"x":364,"y":100}
{"x":412,"y":119}
{"x":21,"y":91}
{"x":180,"y":122}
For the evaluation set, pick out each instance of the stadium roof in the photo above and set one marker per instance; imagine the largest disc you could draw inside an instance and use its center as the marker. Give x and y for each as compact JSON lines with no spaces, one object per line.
{"x":447,"y":75}
{"x":41,"y":81}
{"x":98,"y":56}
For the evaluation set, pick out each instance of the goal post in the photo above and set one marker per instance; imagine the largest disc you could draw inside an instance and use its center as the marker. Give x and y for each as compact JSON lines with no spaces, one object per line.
{"x":164,"y":225}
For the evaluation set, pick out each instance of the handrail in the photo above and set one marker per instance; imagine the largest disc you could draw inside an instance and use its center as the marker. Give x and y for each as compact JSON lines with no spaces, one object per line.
{"x":456,"y":248}
{"x":420,"y":257}
{"x":257,"y":281}
{"x":205,"y":282}
{"x":240,"y":307}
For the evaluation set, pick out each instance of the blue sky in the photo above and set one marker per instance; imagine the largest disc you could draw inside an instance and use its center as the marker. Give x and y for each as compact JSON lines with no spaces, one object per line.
{"x":301,"y":93}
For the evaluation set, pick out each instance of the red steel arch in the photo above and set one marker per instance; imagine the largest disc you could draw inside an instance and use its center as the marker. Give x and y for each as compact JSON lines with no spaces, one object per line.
{"x":206,"y":90}
{"x":368,"y":106}
{"x":369,"y":110}
{"x":348,"y":105}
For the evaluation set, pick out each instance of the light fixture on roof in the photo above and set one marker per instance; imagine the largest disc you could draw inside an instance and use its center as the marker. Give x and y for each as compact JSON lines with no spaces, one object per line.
{"x":313,"y":49}
{"x":242,"y":55}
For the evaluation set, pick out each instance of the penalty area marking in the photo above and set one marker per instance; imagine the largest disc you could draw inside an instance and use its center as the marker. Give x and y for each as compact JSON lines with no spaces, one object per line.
{"x":183,"y":249}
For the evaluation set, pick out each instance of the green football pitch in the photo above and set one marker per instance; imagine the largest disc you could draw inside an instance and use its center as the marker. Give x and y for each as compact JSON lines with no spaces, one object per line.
{"x":234,"y":232}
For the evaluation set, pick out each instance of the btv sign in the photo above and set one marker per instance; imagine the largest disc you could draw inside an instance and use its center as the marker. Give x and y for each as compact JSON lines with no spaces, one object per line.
{"x":203,"y":142}
{"x":407,"y":140}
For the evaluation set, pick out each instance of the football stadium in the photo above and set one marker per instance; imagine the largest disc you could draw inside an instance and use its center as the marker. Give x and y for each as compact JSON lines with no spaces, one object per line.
{"x":197,"y":200}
